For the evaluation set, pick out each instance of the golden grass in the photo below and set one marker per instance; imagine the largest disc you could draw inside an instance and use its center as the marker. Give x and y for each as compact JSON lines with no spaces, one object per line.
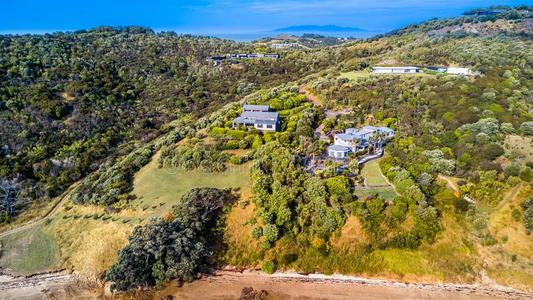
{"x":502,"y":224}
{"x":352,"y":235}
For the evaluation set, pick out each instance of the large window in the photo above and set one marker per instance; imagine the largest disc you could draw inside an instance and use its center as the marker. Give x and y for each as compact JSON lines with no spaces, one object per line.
{"x":269,"y":126}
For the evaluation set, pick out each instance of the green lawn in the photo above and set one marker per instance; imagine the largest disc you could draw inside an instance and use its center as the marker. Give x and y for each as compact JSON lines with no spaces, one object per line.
{"x":386,"y":193}
{"x":354,"y":75}
{"x":30,"y":251}
{"x":157,"y":189}
{"x":373,"y":174}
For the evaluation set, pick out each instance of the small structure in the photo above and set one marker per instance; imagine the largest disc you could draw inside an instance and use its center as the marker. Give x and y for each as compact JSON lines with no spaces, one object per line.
{"x":396,"y":70}
{"x":358,"y":139}
{"x":216,"y":60}
{"x":458,"y":71}
{"x":258,"y":116}
{"x":252,"y":55}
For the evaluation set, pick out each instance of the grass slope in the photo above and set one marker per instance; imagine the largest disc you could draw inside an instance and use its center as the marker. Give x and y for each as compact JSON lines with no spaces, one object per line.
{"x":86,"y":238}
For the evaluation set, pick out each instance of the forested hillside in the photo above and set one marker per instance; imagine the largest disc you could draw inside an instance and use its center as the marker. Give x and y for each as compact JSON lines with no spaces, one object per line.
{"x":143,"y":121}
{"x":68,"y":101}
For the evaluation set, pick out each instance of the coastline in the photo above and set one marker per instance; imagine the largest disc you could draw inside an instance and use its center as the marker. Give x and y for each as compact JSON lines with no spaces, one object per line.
{"x":228,"y":284}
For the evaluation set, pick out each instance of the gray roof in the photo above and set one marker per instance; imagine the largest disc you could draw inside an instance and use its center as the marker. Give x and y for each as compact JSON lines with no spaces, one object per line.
{"x":347,"y":136}
{"x":241,"y":120}
{"x":339,"y":148}
{"x":264,"y":108}
{"x":396,"y":68}
{"x":254,"y":115}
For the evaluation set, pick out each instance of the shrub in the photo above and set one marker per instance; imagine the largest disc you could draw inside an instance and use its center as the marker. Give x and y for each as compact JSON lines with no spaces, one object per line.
{"x":526,"y":174}
{"x":257,"y":232}
{"x":528,"y":219}
{"x":270,"y":232}
{"x":516,"y":214}
{"x":461,"y":204}
{"x":527,"y":128}
{"x":268,"y":267}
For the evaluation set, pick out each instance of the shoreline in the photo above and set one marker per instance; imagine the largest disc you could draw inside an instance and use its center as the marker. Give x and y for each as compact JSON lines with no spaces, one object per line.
{"x":228,"y":283}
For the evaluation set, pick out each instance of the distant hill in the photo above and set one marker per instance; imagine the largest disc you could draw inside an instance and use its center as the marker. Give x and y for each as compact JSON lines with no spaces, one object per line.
{"x":318,"y":28}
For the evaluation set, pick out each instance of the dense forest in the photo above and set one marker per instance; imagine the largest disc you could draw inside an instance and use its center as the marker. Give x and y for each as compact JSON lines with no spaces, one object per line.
{"x":70,"y":101}
{"x":95,"y":107}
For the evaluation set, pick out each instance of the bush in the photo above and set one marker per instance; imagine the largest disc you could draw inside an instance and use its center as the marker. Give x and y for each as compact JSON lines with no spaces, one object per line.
{"x":268,"y":267}
{"x":270,"y":232}
{"x":527,"y":128}
{"x":173,"y":248}
{"x":257,"y":232}
{"x":528,"y":219}
{"x":526,"y":174}
{"x":461,"y":204}
{"x":516,"y":214}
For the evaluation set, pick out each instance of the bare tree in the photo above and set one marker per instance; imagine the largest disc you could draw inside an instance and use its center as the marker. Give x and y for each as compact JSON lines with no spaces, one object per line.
{"x":9,"y":191}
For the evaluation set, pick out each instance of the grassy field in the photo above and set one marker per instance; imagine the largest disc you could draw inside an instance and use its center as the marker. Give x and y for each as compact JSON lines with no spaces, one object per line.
{"x":30,"y":251}
{"x":386,"y":193}
{"x":372,"y":173}
{"x":354,"y":75}
{"x":157,"y":189}
{"x":86,"y":238}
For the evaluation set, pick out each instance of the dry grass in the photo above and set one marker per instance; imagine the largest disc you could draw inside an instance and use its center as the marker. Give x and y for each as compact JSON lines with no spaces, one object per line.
{"x":502,"y":224}
{"x":352,"y":235}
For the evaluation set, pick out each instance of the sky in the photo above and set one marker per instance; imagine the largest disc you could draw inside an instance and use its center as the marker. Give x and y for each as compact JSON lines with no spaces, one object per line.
{"x":226,"y":16}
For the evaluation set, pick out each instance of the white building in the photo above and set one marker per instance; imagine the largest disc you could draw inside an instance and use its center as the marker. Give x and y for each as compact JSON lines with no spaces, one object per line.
{"x":358,"y":139}
{"x":395,"y":70}
{"x":258,"y":116}
{"x":459,"y":71}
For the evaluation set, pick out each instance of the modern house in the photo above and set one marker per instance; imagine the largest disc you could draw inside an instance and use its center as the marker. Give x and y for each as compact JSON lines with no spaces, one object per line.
{"x":396,"y":70}
{"x":359,"y":139}
{"x":458,"y":71}
{"x":253,"y":55}
{"x":258,"y":116}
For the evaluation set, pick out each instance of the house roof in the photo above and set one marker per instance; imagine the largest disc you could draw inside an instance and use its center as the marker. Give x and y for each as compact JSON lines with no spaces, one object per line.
{"x":260,"y":115}
{"x":241,"y":120}
{"x":397,"y":68}
{"x":346,"y":136}
{"x":339,"y":148}
{"x":263,"y":108}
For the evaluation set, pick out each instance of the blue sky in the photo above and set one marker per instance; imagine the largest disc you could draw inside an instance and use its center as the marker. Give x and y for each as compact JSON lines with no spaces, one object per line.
{"x":226,"y":16}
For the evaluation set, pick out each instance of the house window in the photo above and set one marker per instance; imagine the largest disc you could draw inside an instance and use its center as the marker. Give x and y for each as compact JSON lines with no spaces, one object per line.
{"x":259,"y":125}
{"x":269,"y":126}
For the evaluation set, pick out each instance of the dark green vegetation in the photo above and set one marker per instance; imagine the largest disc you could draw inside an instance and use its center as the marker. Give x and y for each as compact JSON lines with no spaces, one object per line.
{"x":471,"y":133}
{"x":176,"y":247}
{"x":72,"y":101}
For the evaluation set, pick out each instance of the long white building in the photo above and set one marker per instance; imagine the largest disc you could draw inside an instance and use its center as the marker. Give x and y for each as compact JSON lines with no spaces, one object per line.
{"x":396,"y":70}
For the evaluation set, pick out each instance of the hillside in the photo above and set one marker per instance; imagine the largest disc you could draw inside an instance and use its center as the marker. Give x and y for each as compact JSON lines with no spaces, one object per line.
{"x":162,"y":186}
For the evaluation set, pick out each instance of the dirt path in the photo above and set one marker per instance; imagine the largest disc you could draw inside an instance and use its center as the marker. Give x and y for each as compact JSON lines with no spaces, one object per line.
{"x":509,"y":196}
{"x":60,"y":285}
{"x":389,"y":183}
{"x":51,"y":212}
{"x":312,"y":97}
{"x":449,"y":182}
{"x":229,"y":285}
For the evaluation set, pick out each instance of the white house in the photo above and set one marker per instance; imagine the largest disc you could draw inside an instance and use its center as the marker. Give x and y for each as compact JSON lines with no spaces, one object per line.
{"x":358,"y":139}
{"x":258,"y":116}
{"x":458,"y":71}
{"x":395,"y":70}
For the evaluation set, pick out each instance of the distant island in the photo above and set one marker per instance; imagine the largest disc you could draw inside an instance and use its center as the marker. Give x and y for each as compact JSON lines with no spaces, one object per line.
{"x":318,"y":28}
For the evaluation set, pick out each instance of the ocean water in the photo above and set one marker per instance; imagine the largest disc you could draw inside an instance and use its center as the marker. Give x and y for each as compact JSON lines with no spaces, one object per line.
{"x":252,"y":36}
